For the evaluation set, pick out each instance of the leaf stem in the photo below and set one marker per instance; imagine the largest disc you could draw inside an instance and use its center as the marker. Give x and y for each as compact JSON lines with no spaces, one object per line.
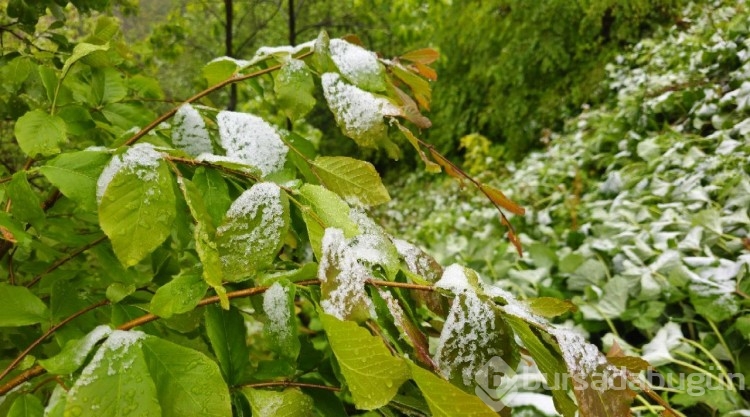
{"x":62,"y":261}
{"x":290,"y":384}
{"x":41,"y":338}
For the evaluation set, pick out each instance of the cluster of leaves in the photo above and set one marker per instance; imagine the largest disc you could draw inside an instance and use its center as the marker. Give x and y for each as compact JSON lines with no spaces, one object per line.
{"x":246,"y":260}
{"x":639,"y":209}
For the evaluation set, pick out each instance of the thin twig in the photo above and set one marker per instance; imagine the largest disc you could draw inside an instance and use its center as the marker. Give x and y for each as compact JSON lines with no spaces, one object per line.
{"x":209,"y":90}
{"x":289,"y":384}
{"x":147,"y":318}
{"x":63,"y":261}
{"x":47,"y":334}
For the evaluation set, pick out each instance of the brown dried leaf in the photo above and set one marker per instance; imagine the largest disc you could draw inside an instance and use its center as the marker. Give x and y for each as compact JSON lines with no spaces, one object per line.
{"x":425,"y":71}
{"x":7,"y":235}
{"x":410,"y":111}
{"x":501,"y":200}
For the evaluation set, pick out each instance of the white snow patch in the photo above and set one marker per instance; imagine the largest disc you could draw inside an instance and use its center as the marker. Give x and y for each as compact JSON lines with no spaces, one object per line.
{"x":277,"y":309}
{"x":141,"y":158}
{"x":190,"y":133}
{"x":251,"y":140}
{"x":262,"y":199}
{"x":354,"y":62}
{"x":357,"y":111}
{"x":351,"y":259}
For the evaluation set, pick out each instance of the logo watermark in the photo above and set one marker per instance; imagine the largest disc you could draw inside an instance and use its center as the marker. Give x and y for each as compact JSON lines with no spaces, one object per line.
{"x":497,"y":383}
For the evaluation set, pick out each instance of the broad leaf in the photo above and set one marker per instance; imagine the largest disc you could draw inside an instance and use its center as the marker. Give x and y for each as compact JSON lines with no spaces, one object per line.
{"x":81,"y":50}
{"x":358,"y":65}
{"x":204,"y":235}
{"x":188,"y":383}
{"x":26,"y":405}
{"x":547,"y":360}
{"x":281,"y":328}
{"x":293,"y":85}
{"x":116,"y":382}
{"x":76,"y":174}
{"x":288,"y":403}
{"x":372,"y":374}
{"x":253,"y":231}
{"x":444,"y":399}
{"x":550,"y":307}
{"x":20,"y":307}
{"x":25,"y":204}
{"x":39,"y":133}
{"x":424,"y":56}
{"x":74,"y":352}
{"x":324,"y":209}
{"x":137,"y":207}
{"x":356,"y":181}
{"x":226,"y":332}
{"x":178,"y":296}
{"x":213,"y":188}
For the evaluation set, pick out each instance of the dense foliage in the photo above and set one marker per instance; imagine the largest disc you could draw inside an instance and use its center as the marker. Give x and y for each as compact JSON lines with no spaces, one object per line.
{"x":637,"y":211}
{"x":211,"y":262}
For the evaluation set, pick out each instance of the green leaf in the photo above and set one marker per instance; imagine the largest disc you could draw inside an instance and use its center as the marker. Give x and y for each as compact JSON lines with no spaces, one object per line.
{"x":25,"y":204}
{"x":13,"y":231}
{"x":74,"y":352}
{"x":15,"y":72}
{"x":80,"y":51}
{"x":178,"y":296}
{"x":219,"y":70}
{"x":107,"y":86}
{"x":116,"y":382}
{"x":78,"y":120}
{"x":204,"y":233}
{"x":146,"y":87}
{"x":20,"y":307}
{"x":39,"y":133}
{"x":288,"y":403}
{"x":226,"y":332}
{"x":26,"y":405}
{"x":214,"y":191}
{"x":281,"y":328}
{"x":550,"y":307}
{"x":253,"y":231}
{"x":293,"y":85}
{"x":372,"y":374}
{"x":356,"y":181}
{"x":324,"y":209}
{"x":188,"y":383}
{"x":138,"y":208}
{"x":549,"y":362}
{"x":76,"y":174}
{"x":444,"y":399}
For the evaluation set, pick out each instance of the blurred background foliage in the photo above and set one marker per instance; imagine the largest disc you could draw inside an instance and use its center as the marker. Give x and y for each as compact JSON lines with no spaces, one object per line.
{"x":510,"y":70}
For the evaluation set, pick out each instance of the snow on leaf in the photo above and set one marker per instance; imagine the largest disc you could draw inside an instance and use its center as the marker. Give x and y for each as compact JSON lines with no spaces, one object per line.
{"x":253,"y":231}
{"x":358,"y":112}
{"x":190,"y":133}
{"x":252,"y":140}
{"x":358,"y":65}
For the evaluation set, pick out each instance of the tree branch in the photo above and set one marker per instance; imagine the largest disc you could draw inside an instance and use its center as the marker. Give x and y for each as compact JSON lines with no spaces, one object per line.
{"x":147,"y":318}
{"x":47,"y":334}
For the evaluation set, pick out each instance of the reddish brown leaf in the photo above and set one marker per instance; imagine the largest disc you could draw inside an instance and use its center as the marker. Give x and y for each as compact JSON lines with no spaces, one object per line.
{"x":631,"y":363}
{"x":425,"y":71}
{"x":7,"y":235}
{"x":423,"y":56}
{"x":501,"y":200}
{"x":419,"y":86}
{"x":512,"y":237}
{"x":410,"y":111}
{"x":450,"y":169}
